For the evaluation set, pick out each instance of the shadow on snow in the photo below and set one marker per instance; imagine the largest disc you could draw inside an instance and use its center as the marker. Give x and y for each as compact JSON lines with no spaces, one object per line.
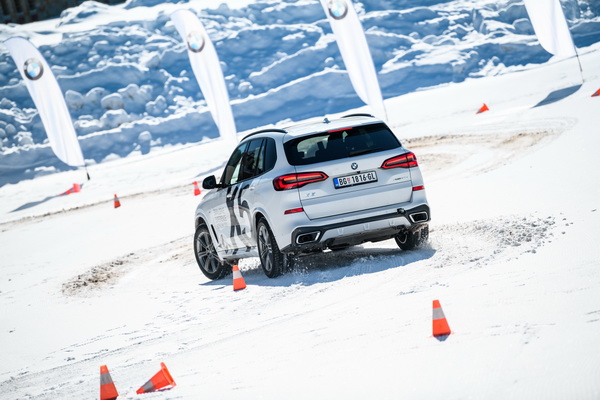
{"x":37,"y":203}
{"x":332,"y":266}
{"x":558,"y":95}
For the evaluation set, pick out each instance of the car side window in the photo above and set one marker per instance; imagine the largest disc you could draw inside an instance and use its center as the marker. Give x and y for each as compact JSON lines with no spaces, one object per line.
{"x":233,"y":167}
{"x":250,"y":160}
{"x":269,"y":155}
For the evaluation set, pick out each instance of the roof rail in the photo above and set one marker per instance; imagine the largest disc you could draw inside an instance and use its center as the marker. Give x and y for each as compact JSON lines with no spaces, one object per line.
{"x":265,"y":130}
{"x":358,"y":115}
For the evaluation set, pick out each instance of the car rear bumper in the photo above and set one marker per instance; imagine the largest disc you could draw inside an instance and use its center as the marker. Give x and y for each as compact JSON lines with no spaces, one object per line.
{"x":371,"y":229}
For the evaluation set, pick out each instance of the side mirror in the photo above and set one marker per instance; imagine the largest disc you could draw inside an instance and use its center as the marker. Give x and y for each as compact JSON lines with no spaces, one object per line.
{"x":210,"y":182}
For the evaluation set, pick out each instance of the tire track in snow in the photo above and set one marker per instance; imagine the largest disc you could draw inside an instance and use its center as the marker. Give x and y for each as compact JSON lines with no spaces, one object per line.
{"x":476,"y":244}
{"x":470,"y":154}
{"x":108,"y":273}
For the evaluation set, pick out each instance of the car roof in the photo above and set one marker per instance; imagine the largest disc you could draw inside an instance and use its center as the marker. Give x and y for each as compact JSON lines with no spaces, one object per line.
{"x":315,"y":126}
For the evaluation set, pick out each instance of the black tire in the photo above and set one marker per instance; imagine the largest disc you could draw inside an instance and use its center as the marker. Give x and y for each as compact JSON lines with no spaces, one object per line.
{"x":408,"y":240}
{"x":274,"y":263}
{"x":424,"y":235}
{"x":206,"y":255}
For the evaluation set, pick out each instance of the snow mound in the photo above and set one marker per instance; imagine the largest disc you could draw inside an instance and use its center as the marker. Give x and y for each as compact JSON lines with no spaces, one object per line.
{"x":280,"y":61}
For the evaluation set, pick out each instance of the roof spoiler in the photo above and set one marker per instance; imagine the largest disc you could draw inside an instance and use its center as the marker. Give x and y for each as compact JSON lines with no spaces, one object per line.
{"x":265,"y":130}
{"x":358,"y":115}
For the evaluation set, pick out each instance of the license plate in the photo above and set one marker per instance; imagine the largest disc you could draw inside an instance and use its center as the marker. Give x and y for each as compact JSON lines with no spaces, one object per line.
{"x":356,"y":179}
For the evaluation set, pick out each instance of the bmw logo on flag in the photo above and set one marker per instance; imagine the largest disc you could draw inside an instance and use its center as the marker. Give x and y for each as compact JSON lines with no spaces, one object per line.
{"x":33,"y":69}
{"x":338,"y":9}
{"x":195,"y":41}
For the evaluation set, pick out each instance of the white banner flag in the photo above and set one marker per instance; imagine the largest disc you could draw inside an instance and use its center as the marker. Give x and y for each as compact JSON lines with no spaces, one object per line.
{"x":206,"y":67}
{"x":550,"y":26}
{"x":49,"y":100}
{"x":353,"y":46}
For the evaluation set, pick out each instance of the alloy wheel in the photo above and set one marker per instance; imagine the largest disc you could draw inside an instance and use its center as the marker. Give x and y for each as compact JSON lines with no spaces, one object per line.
{"x":264,"y":247}
{"x":207,"y":255}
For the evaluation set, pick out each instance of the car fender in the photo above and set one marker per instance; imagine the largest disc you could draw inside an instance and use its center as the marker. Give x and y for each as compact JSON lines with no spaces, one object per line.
{"x":255,"y":212}
{"x":200,"y":215}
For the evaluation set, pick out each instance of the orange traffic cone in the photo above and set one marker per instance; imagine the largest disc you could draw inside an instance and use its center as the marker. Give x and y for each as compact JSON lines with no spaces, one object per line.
{"x":117,"y":202}
{"x":483,"y":108}
{"x":75,"y":189}
{"x":238,"y":279}
{"x":440,"y":325}
{"x":162,"y":380}
{"x":108,"y":391}
{"x":196,"y":189}
{"x":597,"y":93}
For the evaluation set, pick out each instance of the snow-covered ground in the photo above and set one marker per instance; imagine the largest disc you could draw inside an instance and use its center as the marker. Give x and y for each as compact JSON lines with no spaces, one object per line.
{"x":515,"y":197}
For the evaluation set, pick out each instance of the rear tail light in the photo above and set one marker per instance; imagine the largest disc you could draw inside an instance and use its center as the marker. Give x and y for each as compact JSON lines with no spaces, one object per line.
{"x":407,"y":160}
{"x":415,"y":188}
{"x":295,"y":181}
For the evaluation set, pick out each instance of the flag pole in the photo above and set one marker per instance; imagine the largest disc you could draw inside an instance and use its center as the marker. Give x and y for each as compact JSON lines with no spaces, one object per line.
{"x":580,"y":68}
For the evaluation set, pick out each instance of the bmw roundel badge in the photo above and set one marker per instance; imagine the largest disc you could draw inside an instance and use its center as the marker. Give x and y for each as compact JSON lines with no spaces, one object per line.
{"x":338,"y":9}
{"x":195,"y":41}
{"x":354,"y":165}
{"x":33,"y":69}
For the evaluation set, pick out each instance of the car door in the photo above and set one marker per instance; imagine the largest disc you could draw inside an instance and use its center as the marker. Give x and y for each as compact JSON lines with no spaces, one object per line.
{"x":243,"y":194}
{"x":223,"y":219}
{"x":233,"y":202}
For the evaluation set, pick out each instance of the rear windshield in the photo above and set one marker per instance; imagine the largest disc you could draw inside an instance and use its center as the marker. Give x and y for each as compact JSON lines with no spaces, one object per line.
{"x":334,"y":145}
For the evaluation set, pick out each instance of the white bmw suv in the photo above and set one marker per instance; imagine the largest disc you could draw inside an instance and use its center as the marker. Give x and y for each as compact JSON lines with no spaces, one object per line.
{"x":310,"y":187}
